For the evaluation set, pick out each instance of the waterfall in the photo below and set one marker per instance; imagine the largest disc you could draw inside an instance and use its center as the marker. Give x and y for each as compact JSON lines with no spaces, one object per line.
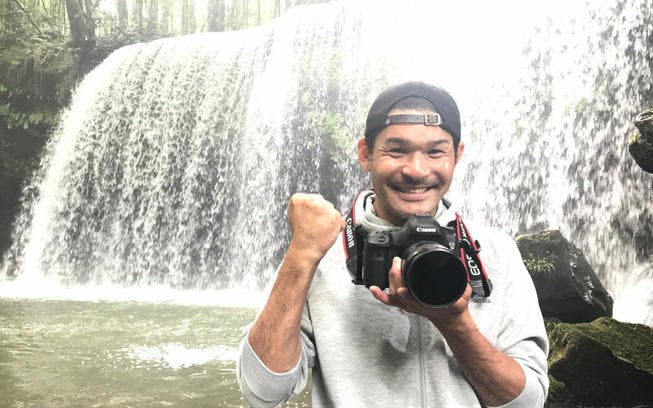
{"x":174,"y":163}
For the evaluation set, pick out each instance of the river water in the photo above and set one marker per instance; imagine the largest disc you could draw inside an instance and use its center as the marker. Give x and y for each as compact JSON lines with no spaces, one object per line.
{"x":64,"y":354}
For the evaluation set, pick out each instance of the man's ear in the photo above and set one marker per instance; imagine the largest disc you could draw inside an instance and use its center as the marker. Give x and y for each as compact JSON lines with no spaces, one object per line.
{"x":459,"y":152}
{"x":364,"y":154}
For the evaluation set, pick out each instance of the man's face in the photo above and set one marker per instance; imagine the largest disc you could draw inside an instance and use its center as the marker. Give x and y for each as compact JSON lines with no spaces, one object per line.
{"x":411,"y":167}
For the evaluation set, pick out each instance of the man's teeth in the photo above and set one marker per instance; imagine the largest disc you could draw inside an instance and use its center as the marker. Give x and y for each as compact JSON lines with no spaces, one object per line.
{"x":414,"y":189}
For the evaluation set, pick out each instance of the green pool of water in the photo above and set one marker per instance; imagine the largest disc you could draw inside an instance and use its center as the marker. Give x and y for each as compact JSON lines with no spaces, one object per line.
{"x":120,"y":354}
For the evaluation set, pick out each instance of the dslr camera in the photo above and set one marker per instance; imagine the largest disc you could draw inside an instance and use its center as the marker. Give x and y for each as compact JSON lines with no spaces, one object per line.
{"x":432,"y":269}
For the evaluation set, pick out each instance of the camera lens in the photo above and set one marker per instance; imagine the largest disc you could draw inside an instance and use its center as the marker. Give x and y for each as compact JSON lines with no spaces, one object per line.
{"x":434,"y":275}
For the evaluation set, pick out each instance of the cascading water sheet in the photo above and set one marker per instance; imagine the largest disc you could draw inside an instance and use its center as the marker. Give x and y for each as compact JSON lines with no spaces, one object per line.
{"x":174,"y":163}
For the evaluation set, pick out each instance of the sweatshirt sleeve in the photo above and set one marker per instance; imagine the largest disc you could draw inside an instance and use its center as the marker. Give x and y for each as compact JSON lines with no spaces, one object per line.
{"x":523,"y":336}
{"x":262,"y":387}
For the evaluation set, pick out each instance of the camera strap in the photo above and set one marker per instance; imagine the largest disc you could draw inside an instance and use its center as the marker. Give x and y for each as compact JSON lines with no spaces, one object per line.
{"x":469,"y":249}
{"x":352,"y":239}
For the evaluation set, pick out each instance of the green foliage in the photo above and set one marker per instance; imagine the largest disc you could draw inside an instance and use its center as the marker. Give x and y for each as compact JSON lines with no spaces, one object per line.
{"x":331,"y":126}
{"x":14,"y":118}
{"x":540,"y":266}
{"x":37,"y":79}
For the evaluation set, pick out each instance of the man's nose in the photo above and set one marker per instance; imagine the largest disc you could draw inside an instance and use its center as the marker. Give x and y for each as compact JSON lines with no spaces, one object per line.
{"x":416,"y":166}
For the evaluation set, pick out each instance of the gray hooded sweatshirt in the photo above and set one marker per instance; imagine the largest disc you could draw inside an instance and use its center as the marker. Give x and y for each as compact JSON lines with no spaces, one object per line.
{"x":365,"y":354}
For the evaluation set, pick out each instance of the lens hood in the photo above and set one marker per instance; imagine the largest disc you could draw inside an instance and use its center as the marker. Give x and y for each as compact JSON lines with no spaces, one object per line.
{"x":434,"y":275}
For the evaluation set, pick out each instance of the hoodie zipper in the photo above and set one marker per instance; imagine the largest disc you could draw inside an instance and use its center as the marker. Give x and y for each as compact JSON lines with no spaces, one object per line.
{"x":422,"y":364}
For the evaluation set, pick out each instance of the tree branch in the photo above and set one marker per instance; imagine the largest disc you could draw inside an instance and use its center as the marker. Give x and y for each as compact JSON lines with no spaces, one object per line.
{"x":28,"y":16}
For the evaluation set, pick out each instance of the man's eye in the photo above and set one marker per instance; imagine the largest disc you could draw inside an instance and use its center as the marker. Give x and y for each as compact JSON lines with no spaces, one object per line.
{"x":397,"y":150}
{"x":436,"y":152}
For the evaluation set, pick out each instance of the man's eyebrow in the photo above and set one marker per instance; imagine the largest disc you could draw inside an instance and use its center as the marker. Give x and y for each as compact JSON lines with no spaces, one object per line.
{"x":404,"y":141}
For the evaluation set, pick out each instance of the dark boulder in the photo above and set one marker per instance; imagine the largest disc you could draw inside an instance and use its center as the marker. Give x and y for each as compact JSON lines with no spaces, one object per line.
{"x":641,"y":143}
{"x":605,"y":363}
{"x":567,"y":287}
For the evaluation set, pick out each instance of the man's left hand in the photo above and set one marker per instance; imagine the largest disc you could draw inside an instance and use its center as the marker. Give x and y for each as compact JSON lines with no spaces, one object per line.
{"x":399,"y":296}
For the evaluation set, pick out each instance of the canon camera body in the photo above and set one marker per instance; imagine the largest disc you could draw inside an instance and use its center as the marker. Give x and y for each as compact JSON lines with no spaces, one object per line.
{"x":432,"y":268}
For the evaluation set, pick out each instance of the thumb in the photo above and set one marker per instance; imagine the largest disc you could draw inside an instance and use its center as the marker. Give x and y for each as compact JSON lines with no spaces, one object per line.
{"x":394,"y":275}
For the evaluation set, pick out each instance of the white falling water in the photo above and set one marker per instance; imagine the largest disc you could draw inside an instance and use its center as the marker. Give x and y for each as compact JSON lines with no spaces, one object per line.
{"x":174,"y":163}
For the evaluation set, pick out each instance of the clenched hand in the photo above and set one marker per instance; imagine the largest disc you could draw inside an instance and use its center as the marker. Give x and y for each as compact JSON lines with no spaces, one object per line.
{"x":315,"y":224}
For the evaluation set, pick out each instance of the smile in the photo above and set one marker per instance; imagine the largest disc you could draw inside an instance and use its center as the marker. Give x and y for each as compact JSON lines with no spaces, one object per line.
{"x":411,"y":189}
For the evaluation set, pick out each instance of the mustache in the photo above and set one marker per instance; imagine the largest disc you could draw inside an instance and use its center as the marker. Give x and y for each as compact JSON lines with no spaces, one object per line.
{"x":407,"y":181}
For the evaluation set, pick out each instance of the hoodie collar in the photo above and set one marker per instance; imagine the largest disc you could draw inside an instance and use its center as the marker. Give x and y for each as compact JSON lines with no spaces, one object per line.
{"x":367,"y":218}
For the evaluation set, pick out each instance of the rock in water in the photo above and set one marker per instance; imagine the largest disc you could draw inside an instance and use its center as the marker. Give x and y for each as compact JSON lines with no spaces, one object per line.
{"x":603,"y":363}
{"x":641,"y":143}
{"x":567,"y":287}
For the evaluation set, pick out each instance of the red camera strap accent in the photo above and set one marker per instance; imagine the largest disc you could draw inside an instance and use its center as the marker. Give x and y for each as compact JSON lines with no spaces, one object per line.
{"x":352,"y":240}
{"x":469,"y":249}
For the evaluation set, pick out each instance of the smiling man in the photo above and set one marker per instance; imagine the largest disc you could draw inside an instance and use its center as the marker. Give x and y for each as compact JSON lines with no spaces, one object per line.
{"x":376,"y":347}
{"x":412,"y":166}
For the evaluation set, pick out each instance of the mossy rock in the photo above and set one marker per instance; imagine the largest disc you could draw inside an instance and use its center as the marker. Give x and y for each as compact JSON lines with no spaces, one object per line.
{"x":567,"y":287}
{"x":602,"y":363}
{"x":640,"y":146}
{"x":559,"y":395}
{"x":642,"y":151}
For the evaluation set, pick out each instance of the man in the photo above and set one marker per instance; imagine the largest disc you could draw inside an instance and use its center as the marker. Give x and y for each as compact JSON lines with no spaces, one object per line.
{"x":381,"y":348}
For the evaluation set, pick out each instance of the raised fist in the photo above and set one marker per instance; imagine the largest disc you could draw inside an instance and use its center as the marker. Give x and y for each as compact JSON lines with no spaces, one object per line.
{"x":315,"y":224}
